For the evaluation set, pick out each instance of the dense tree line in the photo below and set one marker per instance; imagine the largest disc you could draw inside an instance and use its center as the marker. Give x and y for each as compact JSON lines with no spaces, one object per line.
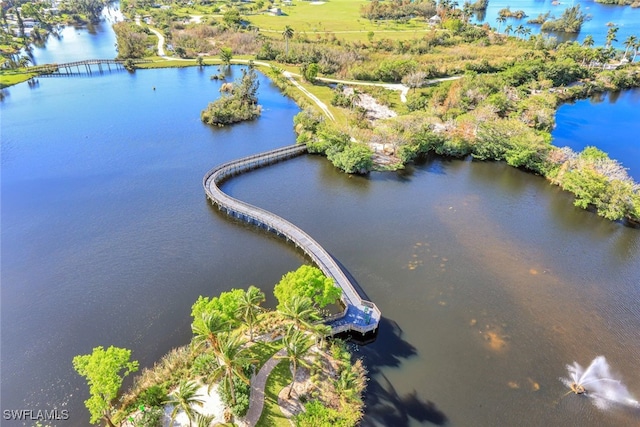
{"x":131,"y":40}
{"x":398,"y":9}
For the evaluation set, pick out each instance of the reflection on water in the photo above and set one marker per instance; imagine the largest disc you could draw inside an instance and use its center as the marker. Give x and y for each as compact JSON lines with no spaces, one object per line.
{"x":70,"y":44}
{"x":601,"y":15}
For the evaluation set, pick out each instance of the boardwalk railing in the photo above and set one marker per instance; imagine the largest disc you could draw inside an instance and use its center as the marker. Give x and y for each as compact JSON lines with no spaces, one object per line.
{"x":80,"y":67}
{"x":359,"y":315}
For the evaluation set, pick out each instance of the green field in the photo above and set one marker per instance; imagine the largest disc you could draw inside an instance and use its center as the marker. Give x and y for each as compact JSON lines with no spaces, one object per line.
{"x":304,"y":16}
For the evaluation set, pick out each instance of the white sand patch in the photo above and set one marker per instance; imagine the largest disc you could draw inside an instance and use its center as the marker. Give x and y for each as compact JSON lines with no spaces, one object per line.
{"x":317,"y":2}
{"x":196,"y":19}
{"x":375,"y":110}
{"x":213,"y":405}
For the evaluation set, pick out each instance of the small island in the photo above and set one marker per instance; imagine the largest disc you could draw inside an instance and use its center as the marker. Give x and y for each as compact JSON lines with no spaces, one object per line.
{"x":237,"y":103}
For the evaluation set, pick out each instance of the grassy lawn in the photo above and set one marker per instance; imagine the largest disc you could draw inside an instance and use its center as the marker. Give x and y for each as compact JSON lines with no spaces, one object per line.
{"x":305,"y":16}
{"x":10,"y":77}
{"x":262,"y":351}
{"x":271,"y":414}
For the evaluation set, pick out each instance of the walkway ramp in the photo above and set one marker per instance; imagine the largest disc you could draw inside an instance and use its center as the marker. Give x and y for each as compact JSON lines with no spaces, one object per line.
{"x":359,"y":315}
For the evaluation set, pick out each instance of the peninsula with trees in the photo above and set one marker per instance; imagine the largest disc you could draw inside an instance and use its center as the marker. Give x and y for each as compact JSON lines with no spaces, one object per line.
{"x":295,"y":373}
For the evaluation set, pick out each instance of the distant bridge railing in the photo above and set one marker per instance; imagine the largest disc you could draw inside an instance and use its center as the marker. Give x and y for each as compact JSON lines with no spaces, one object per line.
{"x":88,"y":66}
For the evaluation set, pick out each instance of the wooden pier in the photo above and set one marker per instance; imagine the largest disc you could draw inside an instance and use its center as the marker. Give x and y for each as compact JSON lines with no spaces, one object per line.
{"x":359,"y":315}
{"x":87,"y":67}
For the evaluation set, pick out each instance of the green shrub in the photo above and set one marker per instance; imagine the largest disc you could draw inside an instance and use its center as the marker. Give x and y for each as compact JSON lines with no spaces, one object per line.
{"x":204,"y":364}
{"x":151,"y":418}
{"x":395,"y":70}
{"x":241,"y":390}
{"x":353,"y":158}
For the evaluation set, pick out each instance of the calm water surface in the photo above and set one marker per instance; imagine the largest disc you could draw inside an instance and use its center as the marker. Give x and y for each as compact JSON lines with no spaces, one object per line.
{"x":627,"y":18}
{"x":107,"y":238}
{"x":489,"y":279}
{"x":605,"y":121}
{"x":77,"y":44}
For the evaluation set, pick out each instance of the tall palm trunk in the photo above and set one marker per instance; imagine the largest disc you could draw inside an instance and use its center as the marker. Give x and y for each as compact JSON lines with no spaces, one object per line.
{"x":295,"y":370}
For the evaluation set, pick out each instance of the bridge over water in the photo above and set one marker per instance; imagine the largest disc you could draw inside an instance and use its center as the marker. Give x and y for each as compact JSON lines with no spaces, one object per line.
{"x":359,"y":315}
{"x":88,"y":66}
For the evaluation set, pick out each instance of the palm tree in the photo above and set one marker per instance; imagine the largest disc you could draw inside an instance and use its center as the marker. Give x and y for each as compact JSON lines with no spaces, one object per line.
{"x":348,"y":385}
{"x":321,"y":331}
{"x":202,"y":420}
{"x":207,"y":328}
{"x":519,"y":30}
{"x":301,"y":311}
{"x":588,"y":41}
{"x":508,"y":29}
{"x":629,"y":43}
{"x":226,"y":54}
{"x":611,"y":35}
{"x":287,"y":34}
{"x":232,"y":359}
{"x":501,"y":20}
{"x":636,"y":48}
{"x":183,"y":399}
{"x":525,"y":32}
{"x":249,"y":307}
{"x":297,"y":345}
{"x":467,"y":11}
{"x":444,"y":7}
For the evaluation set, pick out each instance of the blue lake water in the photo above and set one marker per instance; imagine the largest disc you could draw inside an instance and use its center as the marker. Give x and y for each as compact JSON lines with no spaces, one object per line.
{"x":608,"y":121}
{"x":489,"y":279}
{"x":627,"y":18}
{"x":77,"y":44}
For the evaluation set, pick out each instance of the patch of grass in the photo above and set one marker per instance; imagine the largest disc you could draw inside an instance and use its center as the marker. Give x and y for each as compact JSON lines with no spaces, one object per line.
{"x":262,"y":351}
{"x":271,"y":415}
{"x":324,"y":93}
{"x":10,"y":78}
{"x":334,"y":15}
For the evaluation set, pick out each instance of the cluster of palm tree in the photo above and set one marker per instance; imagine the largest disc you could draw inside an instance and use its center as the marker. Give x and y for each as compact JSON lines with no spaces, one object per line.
{"x":602,"y":55}
{"x":520,"y":31}
{"x":215,"y":333}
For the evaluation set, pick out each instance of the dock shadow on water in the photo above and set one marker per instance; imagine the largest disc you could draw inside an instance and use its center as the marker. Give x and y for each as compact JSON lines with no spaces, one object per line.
{"x":385,"y":406}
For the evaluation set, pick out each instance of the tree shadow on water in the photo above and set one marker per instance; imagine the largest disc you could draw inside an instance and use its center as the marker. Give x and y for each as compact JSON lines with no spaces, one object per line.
{"x":384,"y":405}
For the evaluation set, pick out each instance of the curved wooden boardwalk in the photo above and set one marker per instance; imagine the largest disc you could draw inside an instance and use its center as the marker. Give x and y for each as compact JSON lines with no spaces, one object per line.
{"x":359,"y":315}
